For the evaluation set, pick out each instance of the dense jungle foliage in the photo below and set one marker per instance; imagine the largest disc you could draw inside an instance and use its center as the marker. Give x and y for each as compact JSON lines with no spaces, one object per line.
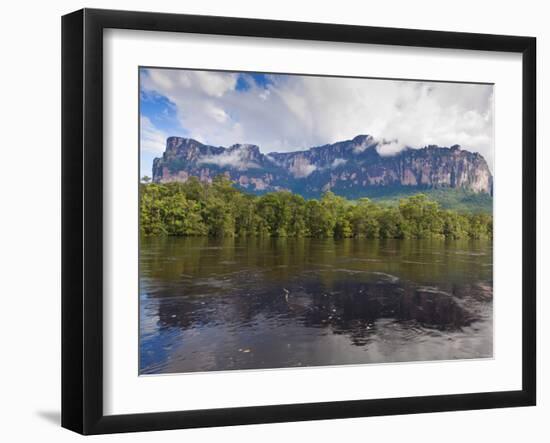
{"x":218,"y":209}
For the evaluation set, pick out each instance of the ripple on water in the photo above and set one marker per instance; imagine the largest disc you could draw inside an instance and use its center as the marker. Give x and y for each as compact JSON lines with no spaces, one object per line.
{"x":311,"y":308}
{"x":391,"y":278}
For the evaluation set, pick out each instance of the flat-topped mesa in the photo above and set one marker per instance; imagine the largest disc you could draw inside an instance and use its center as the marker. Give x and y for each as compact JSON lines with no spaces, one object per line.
{"x":244,"y":147}
{"x":188,"y":148}
{"x":437,"y":167}
{"x":351,"y":168}
{"x":246,"y":152}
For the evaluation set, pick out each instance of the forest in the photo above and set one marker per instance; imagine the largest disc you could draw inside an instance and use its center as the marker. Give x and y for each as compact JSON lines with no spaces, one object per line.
{"x":218,"y":209}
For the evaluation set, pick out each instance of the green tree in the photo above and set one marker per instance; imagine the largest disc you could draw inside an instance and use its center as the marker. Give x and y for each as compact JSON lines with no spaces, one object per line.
{"x":244,"y":209}
{"x":182,"y":217}
{"x":391,"y":223}
{"x":481,"y":226}
{"x":151,"y":216}
{"x":219,"y":217}
{"x":455,"y":225}
{"x":422,"y":217}
{"x":336,"y":215}
{"x":365,"y":219}
{"x":319,"y":221}
{"x":220,"y":210}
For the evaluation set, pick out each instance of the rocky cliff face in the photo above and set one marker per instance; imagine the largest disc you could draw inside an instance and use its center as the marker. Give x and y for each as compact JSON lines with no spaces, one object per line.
{"x":352,"y":168}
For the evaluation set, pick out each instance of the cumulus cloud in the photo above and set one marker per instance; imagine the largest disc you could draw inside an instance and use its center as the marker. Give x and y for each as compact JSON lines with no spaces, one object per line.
{"x":296,"y":112}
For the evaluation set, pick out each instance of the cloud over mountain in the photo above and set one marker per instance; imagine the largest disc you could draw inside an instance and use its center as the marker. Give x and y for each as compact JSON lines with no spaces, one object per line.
{"x":286,"y":112}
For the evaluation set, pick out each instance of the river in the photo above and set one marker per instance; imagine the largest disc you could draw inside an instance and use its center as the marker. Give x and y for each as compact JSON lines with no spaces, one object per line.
{"x":226,"y":304}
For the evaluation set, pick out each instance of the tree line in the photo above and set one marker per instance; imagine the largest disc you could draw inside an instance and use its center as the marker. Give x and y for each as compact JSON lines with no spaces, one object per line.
{"x":218,"y":209}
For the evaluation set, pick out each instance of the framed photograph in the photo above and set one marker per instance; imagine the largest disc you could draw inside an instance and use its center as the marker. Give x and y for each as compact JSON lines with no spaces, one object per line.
{"x":269,"y":221}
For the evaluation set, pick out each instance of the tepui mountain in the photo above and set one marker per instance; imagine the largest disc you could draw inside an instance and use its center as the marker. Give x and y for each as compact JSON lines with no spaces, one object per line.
{"x":352,"y":168}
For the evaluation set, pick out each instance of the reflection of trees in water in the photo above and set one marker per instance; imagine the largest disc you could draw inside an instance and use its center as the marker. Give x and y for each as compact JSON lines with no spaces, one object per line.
{"x":353,"y":308}
{"x":346,"y":306}
{"x":339,"y":287}
{"x":169,"y":260}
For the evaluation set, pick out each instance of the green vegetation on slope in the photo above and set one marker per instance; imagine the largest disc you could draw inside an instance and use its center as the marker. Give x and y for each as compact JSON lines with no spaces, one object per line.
{"x":218,"y":209}
{"x":460,"y":200}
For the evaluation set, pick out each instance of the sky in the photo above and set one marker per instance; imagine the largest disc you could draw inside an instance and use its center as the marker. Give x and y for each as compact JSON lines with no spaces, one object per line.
{"x":282,"y":113}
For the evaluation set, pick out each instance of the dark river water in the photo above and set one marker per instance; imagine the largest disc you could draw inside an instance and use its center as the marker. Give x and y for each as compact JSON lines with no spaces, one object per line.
{"x":211,"y":305}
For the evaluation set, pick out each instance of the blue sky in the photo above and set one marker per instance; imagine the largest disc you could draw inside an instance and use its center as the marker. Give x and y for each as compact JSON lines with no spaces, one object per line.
{"x":159,"y":115}
{"x":281,"y":112}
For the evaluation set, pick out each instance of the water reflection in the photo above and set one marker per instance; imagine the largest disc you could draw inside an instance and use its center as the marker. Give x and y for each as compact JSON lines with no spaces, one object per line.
{"x":238,"y":304}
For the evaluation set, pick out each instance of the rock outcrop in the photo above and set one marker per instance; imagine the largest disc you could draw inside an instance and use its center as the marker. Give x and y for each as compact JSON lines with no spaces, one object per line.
{"x":352,"y":168}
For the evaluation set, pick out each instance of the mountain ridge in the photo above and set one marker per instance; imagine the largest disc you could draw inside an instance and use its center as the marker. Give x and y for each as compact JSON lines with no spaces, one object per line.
{"x":352,"y":168}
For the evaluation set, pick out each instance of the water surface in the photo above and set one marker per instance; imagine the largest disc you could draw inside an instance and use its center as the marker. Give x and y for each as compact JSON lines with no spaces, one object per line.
{"x":210,"y":304}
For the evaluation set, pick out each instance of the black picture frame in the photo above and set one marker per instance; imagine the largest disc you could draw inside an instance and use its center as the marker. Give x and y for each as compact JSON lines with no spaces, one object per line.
{"x":82,"y":219}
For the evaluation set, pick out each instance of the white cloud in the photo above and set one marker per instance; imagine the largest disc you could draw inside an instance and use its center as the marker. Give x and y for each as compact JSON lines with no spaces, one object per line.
{"x":388,"y":148}
{"x":234,"y":158}
{"x":152,"y":140}
{"x":338,"y":162}
{"x":213,"y":83}
{"x":301,"y":167}
{"x":163,"y":81}
{"x":360,"y":147}
{"x":297,"y":112}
